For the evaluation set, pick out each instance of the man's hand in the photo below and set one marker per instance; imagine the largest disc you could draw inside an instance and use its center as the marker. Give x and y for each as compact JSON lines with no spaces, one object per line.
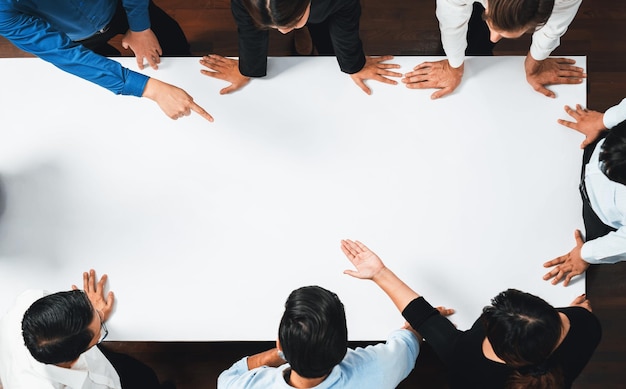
{"x":225,"y":69}
{"x":568,"y":265}
{"x":551,"y":71}
{"x":581,"y":301}
{"x":589,"y":123}
{"x":269,"y":358}
{"x":95,"y":292}
{"x":439,"y":75}
{"x":172,"y":100}
{"x":145,"y":45}
{"x":375,"y":69}
{"x":367,"y":264}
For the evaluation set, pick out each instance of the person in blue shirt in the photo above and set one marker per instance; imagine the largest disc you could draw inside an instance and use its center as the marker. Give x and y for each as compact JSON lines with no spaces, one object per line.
{"x":312,"y":351}
{"x":73,"y":36}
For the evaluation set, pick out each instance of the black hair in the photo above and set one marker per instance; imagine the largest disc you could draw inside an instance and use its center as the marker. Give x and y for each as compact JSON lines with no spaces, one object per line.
{"x":56,"y":327}
{"x":313,"y":332}
{"x":613,"y":154}
{"x":514,"y":15}
{"x":524,"y":330}
{"x":276,"y":13}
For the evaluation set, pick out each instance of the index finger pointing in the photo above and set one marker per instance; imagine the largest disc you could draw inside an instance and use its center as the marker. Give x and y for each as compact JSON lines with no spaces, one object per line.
{"x":200,"y":111}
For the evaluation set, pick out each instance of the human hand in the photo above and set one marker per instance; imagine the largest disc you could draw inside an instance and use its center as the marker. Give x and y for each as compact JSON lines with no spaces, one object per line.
{"x":568,"y":265}
{"x":587,"y":122}
{"x":172,"y":100}
{"x":375,"y":69}
{"x":94,"y":290}
{"x":551,"y":71}
{"x":439,"y":75}
{"x":581,"y":301}
{"x":225,"y":69}
{"x":367,"y":264}
{"x":445,"y":311}
{"x":145,"y":45}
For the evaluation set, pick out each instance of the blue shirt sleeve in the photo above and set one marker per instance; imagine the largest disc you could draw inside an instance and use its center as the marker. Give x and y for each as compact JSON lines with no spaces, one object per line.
{"x":37,"y":37}
{"x":137,"y":13}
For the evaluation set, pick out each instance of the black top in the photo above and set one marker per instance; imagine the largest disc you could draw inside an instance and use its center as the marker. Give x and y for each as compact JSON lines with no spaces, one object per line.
{"x":343,"y":23}
{"x":461,"y":351}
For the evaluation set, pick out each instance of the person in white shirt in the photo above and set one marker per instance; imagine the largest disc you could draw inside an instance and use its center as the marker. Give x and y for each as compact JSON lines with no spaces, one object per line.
{"x":51,"y":341}
{"x":312,"y":351}
{"x":603,"y":190}
{"x":548,"y":19}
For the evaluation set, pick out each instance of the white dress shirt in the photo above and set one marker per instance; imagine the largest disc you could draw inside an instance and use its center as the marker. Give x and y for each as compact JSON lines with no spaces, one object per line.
{"x":19,"y":370}
{"x":608,"y":201}
{"x":454,"y":16}
{"x":615,"y":115}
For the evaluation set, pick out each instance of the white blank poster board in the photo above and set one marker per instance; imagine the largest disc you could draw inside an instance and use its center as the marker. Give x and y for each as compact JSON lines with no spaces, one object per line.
{"x":204,"y":229}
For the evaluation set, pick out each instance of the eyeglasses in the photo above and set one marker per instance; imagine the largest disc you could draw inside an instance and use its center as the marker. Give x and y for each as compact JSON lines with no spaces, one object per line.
{"x":103,"y":328}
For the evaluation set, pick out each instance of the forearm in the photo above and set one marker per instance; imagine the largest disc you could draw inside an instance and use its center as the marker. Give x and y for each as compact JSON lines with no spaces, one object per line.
{"x":453,"y":16}
{"x":547,"y":38}
{"x":266,"y":358}
{"x":399,"y":292}
{"x":610,"y":248}
{"x":615,"y":115}
{"x":138,"y":14}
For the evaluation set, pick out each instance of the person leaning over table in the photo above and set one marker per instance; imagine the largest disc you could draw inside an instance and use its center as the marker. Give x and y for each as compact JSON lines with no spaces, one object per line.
{"x":603,"y":192}
{"x":312,"y":351}
{"x":470,"y":27}
{"x":334,"y":28}
{"x":50,"y":341}
{"x":519,"y":341}
{"x":73,"y":36}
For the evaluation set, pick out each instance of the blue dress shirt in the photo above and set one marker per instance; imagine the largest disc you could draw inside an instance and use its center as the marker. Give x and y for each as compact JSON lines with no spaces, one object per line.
{"x":50,"y":30}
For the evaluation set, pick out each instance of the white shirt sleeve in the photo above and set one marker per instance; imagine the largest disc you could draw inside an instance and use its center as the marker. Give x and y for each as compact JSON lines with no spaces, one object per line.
{"x":229,"y":378}
{"x":548,"y":37}
{"x":615,"y":115}
{"x":610,"y":248}
{"x":453,"y":16}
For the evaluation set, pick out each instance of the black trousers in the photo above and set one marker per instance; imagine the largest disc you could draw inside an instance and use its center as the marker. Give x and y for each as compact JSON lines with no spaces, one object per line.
{"x":133,"y":373}
{"x":478,"y":34}
{"x":169,"y":33}
{"x":594,"y":227}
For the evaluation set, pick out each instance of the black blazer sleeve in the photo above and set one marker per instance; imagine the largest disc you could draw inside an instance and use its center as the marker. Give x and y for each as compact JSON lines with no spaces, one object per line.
{"x":344,"y":33}
{"x":253,"y":42}
{"x":436,"y":330}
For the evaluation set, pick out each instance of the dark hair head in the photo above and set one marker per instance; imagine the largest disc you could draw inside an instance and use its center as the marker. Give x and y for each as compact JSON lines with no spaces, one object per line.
{"x":313,"y":332}
{"x":515,"y":15}
{"x":524,"y":330}
{"x":613,"y":154}
{"x":276,"y":13}
{"x":56,"y":327}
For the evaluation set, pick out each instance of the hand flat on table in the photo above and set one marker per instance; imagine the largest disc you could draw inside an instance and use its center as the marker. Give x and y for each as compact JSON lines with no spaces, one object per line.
{"x":435,"y":75}
{"x":569,"y":265}
{"x":225,"y":69}
{"x":552,"y":71}
{"x":587,"y":122}
{"x":145,"y":45}
{"x":375,"y":69}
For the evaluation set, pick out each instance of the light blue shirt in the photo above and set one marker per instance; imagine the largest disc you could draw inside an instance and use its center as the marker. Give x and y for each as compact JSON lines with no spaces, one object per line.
{"x":381,"y":366}
{"x":608,"y":201}
{"x":49,"y":29}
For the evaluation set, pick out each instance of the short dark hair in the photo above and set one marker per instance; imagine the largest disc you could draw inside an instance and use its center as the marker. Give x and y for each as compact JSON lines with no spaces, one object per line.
{"x":276,"y":13}
{"x":313,"y":332}
{"x":524,"y":330}
{"x":514,"y":15}
{"x":613,"y":154}
{"x":56,"y":327}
